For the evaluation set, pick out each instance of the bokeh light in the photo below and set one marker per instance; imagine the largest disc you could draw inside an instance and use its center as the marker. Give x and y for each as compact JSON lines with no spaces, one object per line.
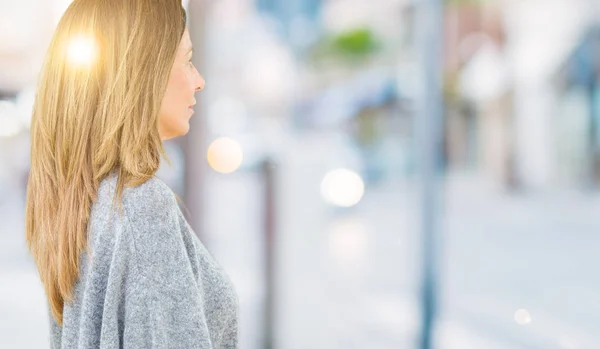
{"x":522,"y":317}
{"x":225,"y":155}
{"x":342,"y":187}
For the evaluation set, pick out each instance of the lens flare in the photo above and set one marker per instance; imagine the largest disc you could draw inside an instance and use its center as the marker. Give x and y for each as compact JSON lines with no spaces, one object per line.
{"x":81,"y":51}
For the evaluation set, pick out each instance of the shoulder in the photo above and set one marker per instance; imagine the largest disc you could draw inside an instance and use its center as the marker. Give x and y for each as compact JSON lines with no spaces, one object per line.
{"x":150,"y":195}
{"x":147,"y":227}
{"x":153,"y":197}
{"x":151,"y":202}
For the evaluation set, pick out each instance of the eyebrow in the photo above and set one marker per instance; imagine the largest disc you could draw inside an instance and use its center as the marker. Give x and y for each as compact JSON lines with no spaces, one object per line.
{"x":190,"y":50}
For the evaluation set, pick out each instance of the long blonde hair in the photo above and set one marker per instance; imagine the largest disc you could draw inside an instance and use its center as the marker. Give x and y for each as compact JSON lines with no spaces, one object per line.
{"x":95,"y":113}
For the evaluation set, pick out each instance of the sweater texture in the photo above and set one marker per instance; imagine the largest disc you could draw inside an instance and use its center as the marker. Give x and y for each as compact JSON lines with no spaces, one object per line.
{"x":149,"y":281}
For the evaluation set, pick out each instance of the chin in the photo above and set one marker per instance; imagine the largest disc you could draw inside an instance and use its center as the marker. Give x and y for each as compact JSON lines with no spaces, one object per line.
{"x":177,"y":132}
{"x":184,"y":129}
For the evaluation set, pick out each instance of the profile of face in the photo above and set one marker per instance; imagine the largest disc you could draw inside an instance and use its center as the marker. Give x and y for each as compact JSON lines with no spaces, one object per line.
{"x":178,"y":102}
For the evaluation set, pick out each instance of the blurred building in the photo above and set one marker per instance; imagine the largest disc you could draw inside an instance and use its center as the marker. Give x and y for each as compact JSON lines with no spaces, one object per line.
{"x":578,"y":116}
{"x":503,"y":110}
{"x":479,"y":123}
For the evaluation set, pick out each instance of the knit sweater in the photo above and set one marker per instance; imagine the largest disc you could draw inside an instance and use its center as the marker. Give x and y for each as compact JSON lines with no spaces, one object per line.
{"x":149,"y":283}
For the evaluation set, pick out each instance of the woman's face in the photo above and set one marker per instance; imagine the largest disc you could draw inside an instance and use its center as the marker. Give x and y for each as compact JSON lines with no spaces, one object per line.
{"x":178,"y":101}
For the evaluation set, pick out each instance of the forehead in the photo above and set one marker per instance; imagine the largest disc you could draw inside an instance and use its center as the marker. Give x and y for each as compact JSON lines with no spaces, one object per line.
{"x":186,"y":42}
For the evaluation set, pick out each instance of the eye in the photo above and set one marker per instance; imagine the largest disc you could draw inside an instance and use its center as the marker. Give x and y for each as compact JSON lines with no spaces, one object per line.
{"x":190,"y":63}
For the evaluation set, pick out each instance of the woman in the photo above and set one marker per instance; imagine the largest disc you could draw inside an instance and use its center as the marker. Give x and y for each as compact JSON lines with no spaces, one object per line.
{"x":120,"y":265}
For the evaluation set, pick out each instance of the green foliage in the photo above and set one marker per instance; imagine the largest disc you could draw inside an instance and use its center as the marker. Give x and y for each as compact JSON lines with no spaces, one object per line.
{"x":356,"y":42}
{"x":352,"y":46}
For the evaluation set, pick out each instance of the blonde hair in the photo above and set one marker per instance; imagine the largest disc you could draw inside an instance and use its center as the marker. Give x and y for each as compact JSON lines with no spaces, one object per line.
{"x":93,"y":117}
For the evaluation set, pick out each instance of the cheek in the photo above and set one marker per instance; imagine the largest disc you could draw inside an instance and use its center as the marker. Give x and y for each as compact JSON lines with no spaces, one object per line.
{"x":181,"y":84}
{"x":176,"y":96}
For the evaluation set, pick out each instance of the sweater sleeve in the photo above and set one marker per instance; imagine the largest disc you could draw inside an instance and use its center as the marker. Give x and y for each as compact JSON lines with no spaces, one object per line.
{"x":163,"y":303}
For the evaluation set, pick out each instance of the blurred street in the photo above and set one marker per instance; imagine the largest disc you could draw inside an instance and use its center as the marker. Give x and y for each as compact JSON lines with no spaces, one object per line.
{"x":348,"y":277}
{"x":359,"y":106}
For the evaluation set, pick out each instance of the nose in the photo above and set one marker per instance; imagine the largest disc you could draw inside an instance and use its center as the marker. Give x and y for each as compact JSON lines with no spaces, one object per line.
{"x":201,"y":84}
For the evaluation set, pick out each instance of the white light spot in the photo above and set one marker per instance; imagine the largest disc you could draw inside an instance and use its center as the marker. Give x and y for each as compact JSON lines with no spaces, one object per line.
{"x":342,"y":187}
{"x":225,"y":155}
{"x":522,"y":317}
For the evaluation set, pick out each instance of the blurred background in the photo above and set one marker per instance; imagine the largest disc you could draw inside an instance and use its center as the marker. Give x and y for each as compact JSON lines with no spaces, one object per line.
{"x":302,"y":170}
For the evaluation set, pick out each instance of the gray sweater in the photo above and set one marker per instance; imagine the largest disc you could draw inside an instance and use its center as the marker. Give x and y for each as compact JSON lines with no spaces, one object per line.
{"x":150,"y":282}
